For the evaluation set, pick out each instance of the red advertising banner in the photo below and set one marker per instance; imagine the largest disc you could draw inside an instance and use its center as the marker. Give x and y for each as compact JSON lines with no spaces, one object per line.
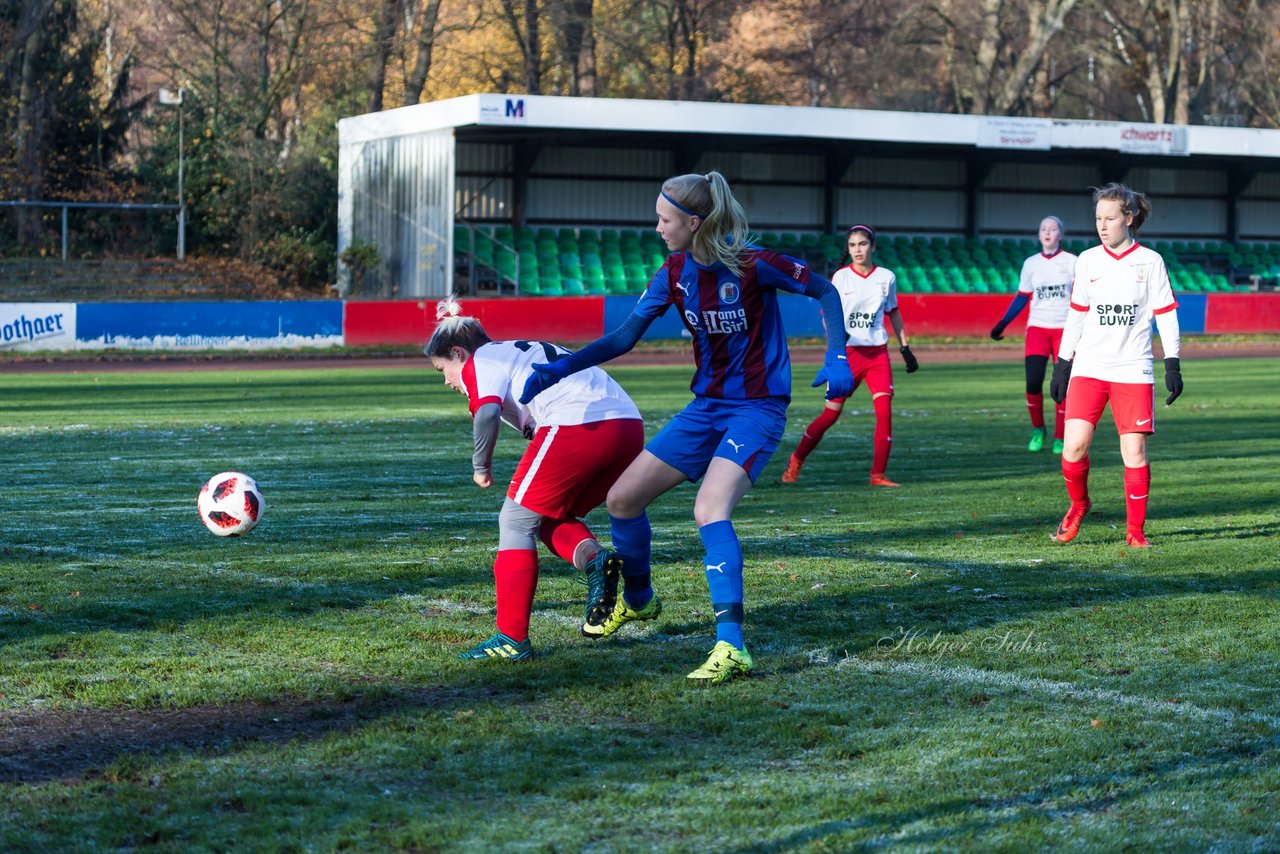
{"x":412,"y":321}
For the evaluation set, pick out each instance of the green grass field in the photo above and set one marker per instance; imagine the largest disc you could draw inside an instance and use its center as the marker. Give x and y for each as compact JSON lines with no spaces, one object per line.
{"x":932,"y":671}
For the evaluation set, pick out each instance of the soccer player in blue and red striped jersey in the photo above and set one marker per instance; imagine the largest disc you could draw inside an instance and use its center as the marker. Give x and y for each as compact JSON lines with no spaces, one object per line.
{"x":726,"y":292}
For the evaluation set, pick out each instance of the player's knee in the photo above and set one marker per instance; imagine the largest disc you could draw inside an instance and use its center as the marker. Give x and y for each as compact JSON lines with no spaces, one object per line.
{"x":703,"y":516}
{"x":623,"y":505}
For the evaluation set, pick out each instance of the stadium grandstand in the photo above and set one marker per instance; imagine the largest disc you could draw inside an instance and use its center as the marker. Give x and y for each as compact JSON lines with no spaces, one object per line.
{"x":489,"y":195}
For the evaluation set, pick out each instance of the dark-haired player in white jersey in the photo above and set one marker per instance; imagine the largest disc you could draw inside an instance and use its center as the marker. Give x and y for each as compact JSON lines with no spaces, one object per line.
{"x":868,"y":297}
{"x":1120,"y":288}
{"x":583,"y":434}
{"x":1046,"y":284}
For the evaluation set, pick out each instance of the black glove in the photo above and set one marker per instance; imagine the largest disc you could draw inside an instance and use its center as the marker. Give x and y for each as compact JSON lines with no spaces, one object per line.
{"x":910,"y":359}
{"x":1061,"y":378}
{"x":997,"y":331}
{"x":1172,"y":379}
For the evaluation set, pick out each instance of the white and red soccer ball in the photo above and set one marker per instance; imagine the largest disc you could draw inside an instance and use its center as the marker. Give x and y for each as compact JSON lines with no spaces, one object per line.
{"x":230,"y":504}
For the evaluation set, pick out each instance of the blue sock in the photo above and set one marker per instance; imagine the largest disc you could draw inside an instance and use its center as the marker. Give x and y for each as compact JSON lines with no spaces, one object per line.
{"x":724,"y":578}
{"x":631,"y":540}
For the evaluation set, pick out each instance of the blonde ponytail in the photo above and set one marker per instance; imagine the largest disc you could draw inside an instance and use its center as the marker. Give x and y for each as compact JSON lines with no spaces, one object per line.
{"x":724,"y":230}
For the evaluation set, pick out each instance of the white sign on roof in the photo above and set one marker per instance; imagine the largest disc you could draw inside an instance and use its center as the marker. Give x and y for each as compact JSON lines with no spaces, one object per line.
{"x":1152,"y":139}
{"x":1002,"y":132}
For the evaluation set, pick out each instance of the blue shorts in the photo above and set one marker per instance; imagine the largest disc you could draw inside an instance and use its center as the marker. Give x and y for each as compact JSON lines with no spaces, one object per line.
{"x":746,"y":432}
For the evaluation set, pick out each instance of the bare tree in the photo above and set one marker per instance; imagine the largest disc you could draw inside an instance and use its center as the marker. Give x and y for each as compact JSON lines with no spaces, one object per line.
{"x":522,"y":19}
{"x":1167,"y":53}
{"x":386,"y":23}
{"x":1259,"y":91}
{"x":579,"y":46}
{"x":994,"y":51}
{"x":423,"y":20}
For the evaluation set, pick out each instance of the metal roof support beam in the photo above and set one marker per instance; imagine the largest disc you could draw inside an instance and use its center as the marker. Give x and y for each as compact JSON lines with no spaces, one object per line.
{"x":838,"y":162}
{"x":1238,"y":180}
{"x":524,"y":155}
{"x":977,"y":170}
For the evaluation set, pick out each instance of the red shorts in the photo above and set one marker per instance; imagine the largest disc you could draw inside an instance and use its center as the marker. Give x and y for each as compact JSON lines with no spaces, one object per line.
{"x":1132,"y":404}
{"x":870,"y":364}
{"x":1042,"y":341}
{"x":567,"y":471}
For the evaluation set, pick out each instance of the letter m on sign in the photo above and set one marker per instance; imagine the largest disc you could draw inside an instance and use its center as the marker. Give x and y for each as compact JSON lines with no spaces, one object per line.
{"x":515,"y":108}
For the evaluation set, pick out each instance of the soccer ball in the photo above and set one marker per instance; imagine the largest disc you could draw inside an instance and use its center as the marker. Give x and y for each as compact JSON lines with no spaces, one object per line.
{"x":230,"y":504}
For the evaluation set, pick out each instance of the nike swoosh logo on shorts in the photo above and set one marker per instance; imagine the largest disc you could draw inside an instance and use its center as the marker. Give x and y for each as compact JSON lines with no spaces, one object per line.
{"x":1142,"y":421}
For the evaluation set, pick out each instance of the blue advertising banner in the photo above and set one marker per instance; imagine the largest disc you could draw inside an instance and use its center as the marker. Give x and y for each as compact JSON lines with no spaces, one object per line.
{"x":209,"y":325}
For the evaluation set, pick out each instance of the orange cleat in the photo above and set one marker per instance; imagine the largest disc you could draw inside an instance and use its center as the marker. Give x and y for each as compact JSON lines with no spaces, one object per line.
{"x":1070,"y":524}
{"x":1136,"y":540}
{"x":881,"y":480}
{"x":792,"y":474}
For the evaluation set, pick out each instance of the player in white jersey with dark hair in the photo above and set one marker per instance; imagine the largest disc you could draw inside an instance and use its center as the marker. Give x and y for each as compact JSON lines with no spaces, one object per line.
{"x":1046,"y":284}
{"x":1120,"y":288}
{"x":868,"y":296}
{"x":583,"y":433}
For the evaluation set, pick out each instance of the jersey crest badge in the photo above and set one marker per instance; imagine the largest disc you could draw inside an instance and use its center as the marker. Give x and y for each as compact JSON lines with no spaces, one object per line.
{"x":730,"y":292}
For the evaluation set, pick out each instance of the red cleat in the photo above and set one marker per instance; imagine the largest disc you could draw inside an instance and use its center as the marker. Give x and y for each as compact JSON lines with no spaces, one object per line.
{"x":881,"y":480}
{"x":792,"y":474}
{"x":1070,"y":524}
{"x":1136,"y":540}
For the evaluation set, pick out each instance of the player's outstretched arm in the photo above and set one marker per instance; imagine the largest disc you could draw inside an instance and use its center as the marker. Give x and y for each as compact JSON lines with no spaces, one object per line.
{"x":835,"y":370}
{"x":609,"y":346}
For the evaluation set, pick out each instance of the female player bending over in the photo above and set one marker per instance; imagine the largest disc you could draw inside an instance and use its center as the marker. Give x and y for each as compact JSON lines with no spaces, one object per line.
{"x":1105,"y":356}
{"x":726,"y":292}
{"x":583,"y":434}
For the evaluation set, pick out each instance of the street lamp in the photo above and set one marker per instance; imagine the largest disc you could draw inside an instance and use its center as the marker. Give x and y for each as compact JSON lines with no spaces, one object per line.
{"x":172,"y":98}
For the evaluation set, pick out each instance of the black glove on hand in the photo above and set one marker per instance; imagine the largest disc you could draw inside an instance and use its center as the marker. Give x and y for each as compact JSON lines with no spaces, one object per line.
{"x":997,"y":331}
{"x":1172,"y":379}
{"x":1061,"y":378}
{"x":910,"y":359}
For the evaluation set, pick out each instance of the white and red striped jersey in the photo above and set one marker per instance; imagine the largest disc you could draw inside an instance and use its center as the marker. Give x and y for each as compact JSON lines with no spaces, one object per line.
{"x":865,"y":300}
{"x":1046,"y":279}
{"x":1114,"y":300}
{"x":497,"y":371}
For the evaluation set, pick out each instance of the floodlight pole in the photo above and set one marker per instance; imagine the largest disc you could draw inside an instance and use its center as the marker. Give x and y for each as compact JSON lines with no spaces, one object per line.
{"x":182,"y":205}
{"x":170,"y":98}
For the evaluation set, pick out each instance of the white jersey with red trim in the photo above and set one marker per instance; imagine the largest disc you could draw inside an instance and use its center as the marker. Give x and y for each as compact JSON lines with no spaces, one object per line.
{"x":865,"y":300}
{"x":497,"y":371}
{"x":1046,"y":279}
{"x":1117,"y":297}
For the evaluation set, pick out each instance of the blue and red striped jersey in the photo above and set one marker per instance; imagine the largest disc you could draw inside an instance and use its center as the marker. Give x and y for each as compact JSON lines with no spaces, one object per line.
{"x":739,"y":344}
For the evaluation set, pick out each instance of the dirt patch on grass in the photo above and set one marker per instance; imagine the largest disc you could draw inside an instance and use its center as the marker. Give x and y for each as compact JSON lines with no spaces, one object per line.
{"x":69,"y":746}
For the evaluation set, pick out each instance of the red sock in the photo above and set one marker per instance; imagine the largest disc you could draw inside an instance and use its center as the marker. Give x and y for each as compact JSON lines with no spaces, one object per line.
{"x":1035,"y":408}
{"x":563,"y":536}
{"x":813,"y":433}
{"x":882,"y":439}
{"x":1059,"y":420}
{"x":515,"y":575}
{"x":1077,"y":477}
{"x":1137,"y":486}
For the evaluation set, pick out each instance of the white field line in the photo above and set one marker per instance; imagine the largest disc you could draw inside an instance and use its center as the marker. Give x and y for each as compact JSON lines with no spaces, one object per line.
{"x":1063,"y":690}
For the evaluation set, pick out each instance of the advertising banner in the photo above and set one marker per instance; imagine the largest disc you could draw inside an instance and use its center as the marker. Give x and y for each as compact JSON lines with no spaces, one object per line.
{"x":37,"y":325}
